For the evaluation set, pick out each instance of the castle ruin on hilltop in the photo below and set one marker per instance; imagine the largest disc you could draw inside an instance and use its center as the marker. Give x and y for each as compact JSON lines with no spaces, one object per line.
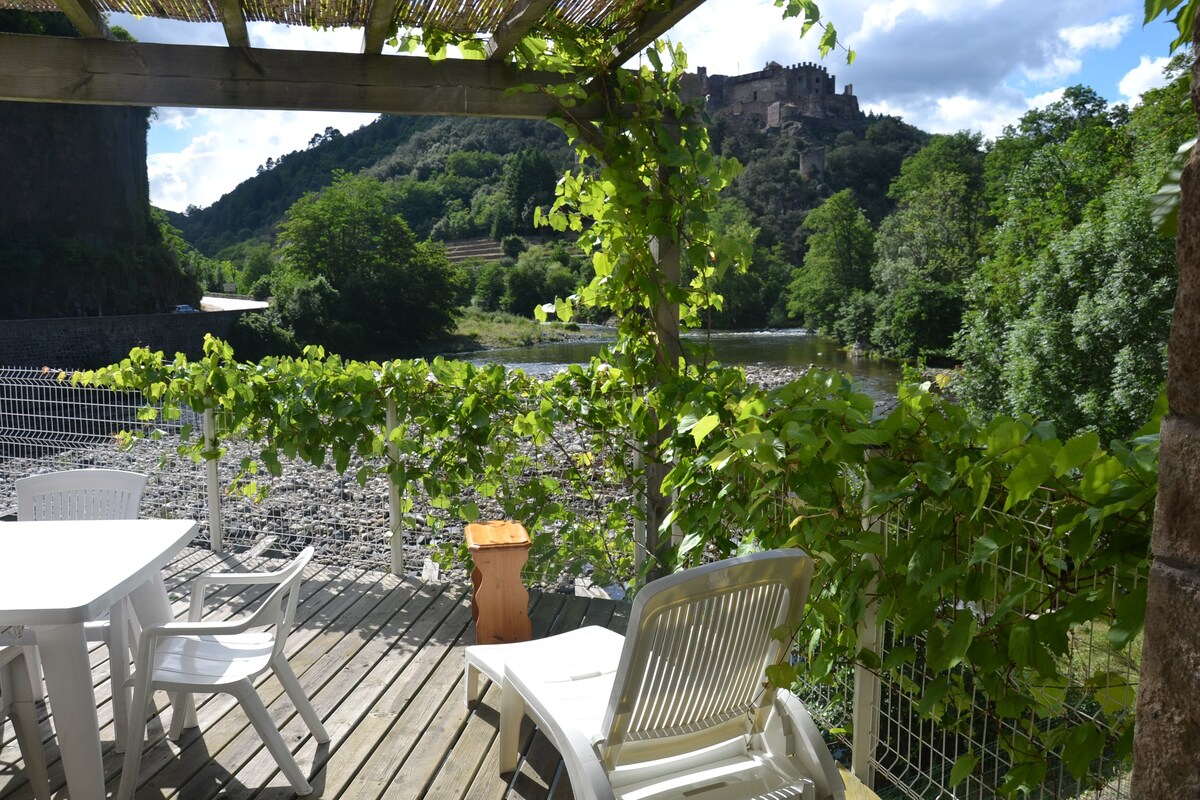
{"x":777,"y":94}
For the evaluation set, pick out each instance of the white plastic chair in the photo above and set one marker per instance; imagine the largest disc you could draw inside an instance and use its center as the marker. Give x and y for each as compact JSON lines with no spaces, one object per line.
{"x":91,"y":494}
{"x":80,"y":494}
{"x":17,"y":702}
{"x":195,"y":656}
{"x":679,"y":707}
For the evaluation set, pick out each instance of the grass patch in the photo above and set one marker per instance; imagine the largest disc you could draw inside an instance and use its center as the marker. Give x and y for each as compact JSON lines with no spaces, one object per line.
{"x":492,"y":330}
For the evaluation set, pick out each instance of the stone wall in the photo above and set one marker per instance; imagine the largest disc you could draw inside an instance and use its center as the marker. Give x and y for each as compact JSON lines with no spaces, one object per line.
{"x":88,"y":342}
{"x":807,"y":89}
{"x":1167,"y":732}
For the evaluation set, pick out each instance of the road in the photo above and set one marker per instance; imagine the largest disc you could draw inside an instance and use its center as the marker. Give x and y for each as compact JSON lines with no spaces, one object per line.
{"x":230,"y":304}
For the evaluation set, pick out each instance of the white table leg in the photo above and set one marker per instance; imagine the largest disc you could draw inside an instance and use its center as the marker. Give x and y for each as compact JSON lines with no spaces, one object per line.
{"x":118,"y":670}
{"x":69,"y":688}
{"x":150,"y":606}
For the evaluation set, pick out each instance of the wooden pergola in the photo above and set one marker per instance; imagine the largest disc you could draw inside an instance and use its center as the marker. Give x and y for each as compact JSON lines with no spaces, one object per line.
{"x":96,"y":69}
{"x":99,"y":70}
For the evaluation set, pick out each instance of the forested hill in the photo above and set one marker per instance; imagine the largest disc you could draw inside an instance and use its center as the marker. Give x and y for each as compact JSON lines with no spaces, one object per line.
{"x":392,"y":147}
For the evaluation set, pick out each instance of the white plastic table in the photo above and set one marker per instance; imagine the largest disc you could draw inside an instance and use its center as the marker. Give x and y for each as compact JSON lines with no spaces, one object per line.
{"x":59,"y":575}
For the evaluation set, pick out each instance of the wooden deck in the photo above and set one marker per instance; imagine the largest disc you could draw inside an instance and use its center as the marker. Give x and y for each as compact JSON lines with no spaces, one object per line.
{"x":381,"y":658}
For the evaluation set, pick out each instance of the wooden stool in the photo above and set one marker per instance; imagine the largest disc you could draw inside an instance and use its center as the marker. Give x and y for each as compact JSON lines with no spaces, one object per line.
{"x":499,"y":604}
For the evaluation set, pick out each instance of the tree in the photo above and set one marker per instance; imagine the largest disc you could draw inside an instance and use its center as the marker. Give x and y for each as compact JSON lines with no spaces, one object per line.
{"x":528,"y":183}
{"x":352,"y":263}
{"x":960,"y":153}
{"x":926,"y":251}
{"x":1089,"y":350}
{"x":839,"y":259}
{"x":489,"y":286}
{"x":535,"y":279}
{"x":1068,"y":314}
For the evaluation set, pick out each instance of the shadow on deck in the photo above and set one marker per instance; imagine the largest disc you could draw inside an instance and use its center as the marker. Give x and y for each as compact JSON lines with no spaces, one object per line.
{"x":381,"y":657}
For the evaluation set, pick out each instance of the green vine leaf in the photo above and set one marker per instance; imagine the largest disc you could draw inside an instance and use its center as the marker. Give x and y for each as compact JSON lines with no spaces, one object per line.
{"x":964,"y":765}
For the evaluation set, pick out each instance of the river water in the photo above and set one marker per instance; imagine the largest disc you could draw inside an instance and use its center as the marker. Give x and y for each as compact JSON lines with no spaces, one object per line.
{"x":787,"y":348}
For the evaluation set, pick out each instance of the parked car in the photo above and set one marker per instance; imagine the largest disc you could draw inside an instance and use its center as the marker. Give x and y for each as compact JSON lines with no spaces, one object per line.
{"x":184,"y":308}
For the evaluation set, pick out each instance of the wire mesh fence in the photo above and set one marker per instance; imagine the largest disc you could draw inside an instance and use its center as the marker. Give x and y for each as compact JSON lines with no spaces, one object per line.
{"x":914,"y":754}
{"x":48,"y":424}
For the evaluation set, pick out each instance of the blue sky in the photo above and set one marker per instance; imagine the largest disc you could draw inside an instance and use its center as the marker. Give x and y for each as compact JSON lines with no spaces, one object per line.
{"x":943,"y":65}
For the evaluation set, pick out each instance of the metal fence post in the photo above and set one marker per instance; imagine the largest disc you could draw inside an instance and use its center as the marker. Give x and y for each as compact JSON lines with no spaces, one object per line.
{"x":867,"y":683}
{"x":395,"y":518}
{"x":216,"y":534}
{"x":639,"y":523}
{"x":866,"y":694}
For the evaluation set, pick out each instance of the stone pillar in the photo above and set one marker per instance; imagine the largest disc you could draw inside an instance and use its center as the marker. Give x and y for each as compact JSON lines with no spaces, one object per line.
{"x":1167,"y":735}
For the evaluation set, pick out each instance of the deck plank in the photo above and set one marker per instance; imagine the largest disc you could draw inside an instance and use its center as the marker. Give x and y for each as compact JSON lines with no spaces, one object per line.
{"x":206,"y":759}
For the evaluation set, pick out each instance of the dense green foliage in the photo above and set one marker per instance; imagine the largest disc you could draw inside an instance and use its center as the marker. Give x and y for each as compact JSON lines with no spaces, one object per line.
{"x":450,"y":174}
{"x":1000,"y":543}
{"x":841,"y":252}
{"x":353,"y":275}
{"x":209,"y":273}
{"x":1030,"y":260}
{"x":463,"y":178}
{"x":1070,"y":308}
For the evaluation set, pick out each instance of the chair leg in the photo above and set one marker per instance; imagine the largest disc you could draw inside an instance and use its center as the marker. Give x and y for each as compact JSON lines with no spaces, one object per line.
{"x":261,"y":720}
{"x":25,"y":723}
{"x":179,"y":713}
{"x":512,"y":710}
{"x":136,"y":735}
{"x":471,"y":673}
{"x":300,"y":700}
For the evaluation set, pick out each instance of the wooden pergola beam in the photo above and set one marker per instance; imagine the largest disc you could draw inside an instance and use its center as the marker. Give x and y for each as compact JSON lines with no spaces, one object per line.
{"x":233,"y":18}
{"x":379,"y":25}
{"x":87,"y":18}
{"x":520,"y":22}
{"x":652,"y":26}
{"x":61,"y":70}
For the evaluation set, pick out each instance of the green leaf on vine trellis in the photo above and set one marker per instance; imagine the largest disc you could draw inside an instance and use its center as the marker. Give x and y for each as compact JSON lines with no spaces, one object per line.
{"x":964,"y":765}
{"x":704,"y":426}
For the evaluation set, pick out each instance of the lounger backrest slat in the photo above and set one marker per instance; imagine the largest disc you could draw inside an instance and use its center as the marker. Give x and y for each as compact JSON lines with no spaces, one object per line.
{"x":695,"y":658}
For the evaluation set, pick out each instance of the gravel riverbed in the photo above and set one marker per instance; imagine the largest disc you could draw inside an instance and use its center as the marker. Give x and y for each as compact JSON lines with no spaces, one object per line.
{"x":346,"y":522}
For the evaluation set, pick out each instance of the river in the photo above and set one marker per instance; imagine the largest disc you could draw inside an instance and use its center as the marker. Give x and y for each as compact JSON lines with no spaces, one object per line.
{"x":786,"y":348}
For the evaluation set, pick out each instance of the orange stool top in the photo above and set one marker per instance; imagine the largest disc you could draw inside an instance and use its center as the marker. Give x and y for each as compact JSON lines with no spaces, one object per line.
{"x":496,"y":533}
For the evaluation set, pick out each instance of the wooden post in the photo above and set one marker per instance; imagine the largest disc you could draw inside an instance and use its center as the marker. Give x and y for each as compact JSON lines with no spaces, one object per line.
{"x":216,"y":534}
{"x":865,"y":711}
{"x":669,"y":347}
{"x":395,"y":518}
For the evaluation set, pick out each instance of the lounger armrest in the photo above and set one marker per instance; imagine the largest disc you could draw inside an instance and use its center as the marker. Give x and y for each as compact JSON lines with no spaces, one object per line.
{"x":810,"y":747}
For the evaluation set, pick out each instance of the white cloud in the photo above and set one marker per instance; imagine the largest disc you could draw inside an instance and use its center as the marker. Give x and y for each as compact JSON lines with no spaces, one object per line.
{"x":1046,"y":98}
{"x":959,"y":112}
{"x":976,"y":114}
{"x":885,"y":17}
{"x":943,"y":65}
{"x":177,"y":119}
{"x":229,"y":146}
{"x":283,"y":37}
{"x":1057,"y":68}
{"x":1148,"y":74}
{"x":1103,"y":35}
